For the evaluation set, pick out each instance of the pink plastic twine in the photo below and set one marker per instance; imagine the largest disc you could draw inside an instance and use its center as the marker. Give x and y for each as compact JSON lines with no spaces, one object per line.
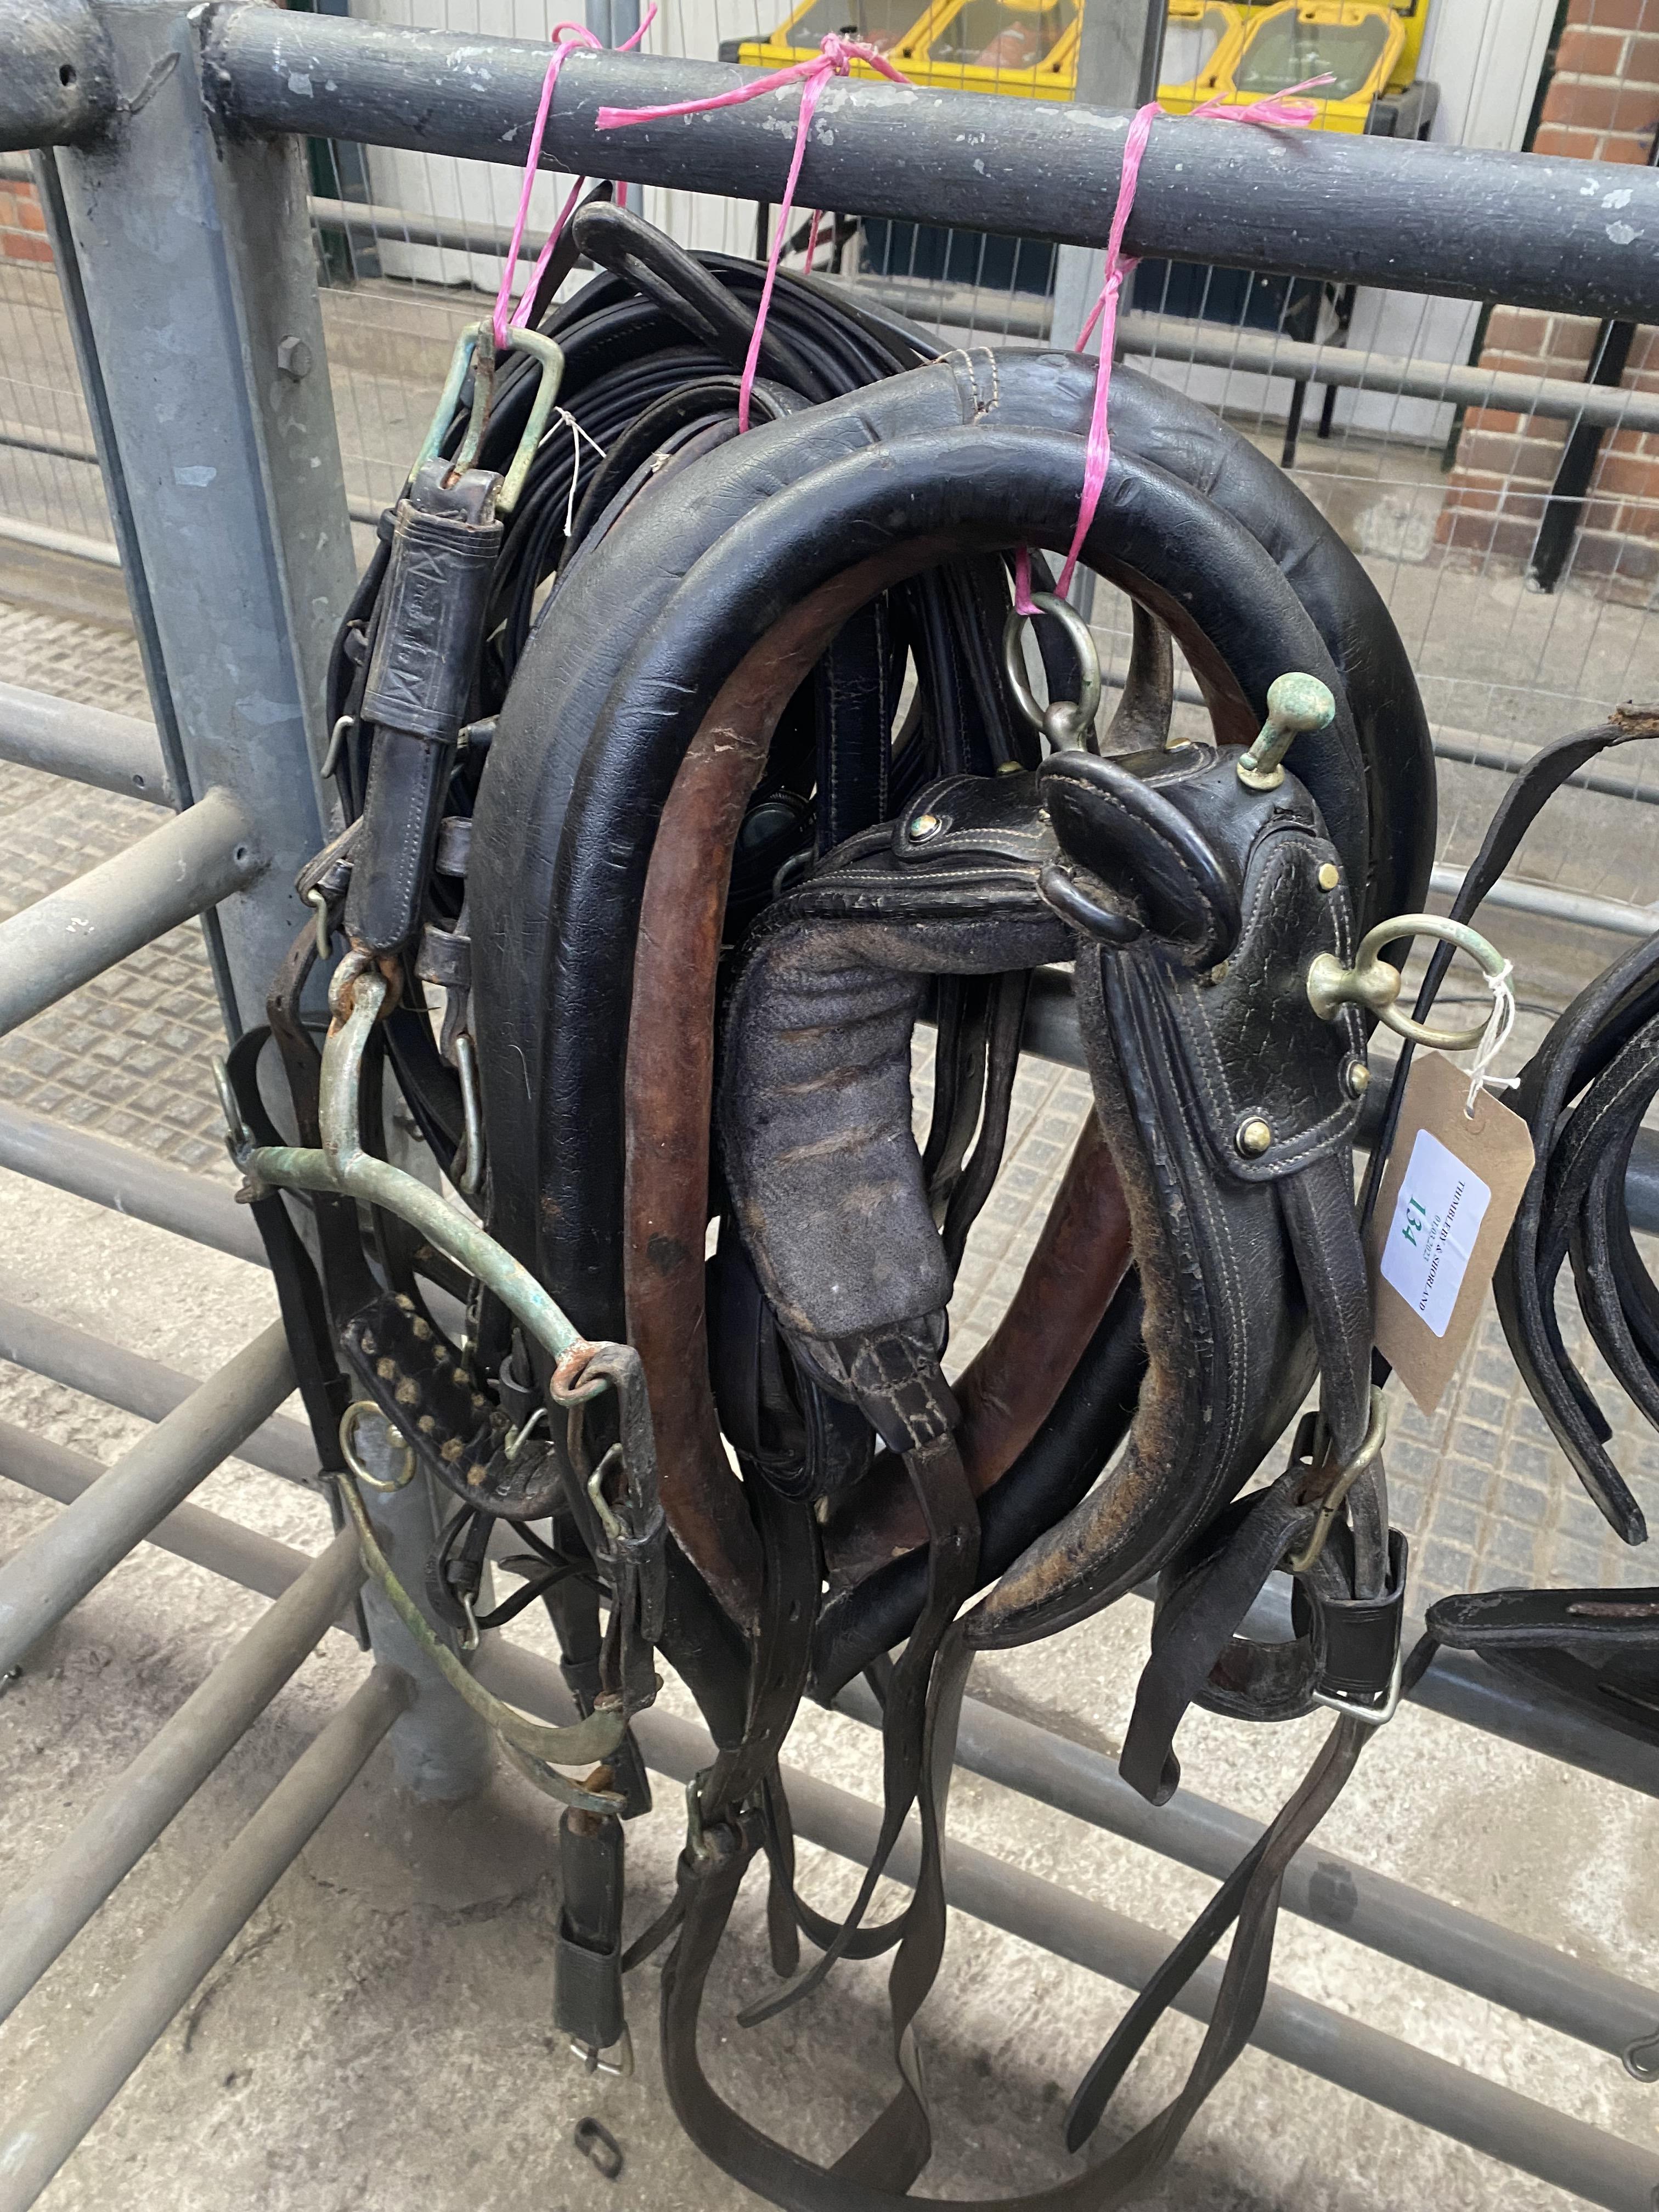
{"x":1278,"y":110}
{"x":567,"y":37}
{"x":835,"y":58}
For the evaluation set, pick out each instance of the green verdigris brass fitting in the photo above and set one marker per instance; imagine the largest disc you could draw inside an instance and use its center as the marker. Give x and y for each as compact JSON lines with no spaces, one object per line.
{"x":1295,"y":703}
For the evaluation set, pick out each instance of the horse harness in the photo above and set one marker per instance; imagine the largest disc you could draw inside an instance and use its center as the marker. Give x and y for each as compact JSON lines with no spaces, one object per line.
{"x":684,"y":779}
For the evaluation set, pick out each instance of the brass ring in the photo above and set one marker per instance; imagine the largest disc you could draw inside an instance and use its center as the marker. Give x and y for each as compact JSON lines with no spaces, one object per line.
{"x":394,"y":1436}
{"x":1373,"y":984}
{"x":1067,"y":724}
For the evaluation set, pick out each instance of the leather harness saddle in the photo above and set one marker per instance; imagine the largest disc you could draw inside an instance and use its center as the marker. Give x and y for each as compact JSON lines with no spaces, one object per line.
{"x":645,"y":892}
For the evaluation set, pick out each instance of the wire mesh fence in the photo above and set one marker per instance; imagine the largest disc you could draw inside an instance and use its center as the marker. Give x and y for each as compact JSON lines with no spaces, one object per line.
{"x":1448,"y":503}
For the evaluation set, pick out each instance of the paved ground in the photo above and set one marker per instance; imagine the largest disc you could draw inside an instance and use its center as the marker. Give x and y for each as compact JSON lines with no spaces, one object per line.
{"x":381,"y":2033}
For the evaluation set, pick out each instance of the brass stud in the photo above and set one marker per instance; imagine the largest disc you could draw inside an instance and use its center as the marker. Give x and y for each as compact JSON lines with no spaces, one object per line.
{"x":1329,"y":876}
{"x":386,"y":1369}
{"x":924,"y":826}
{"x":476,"y":1473}
{"x":424,"y":1332}
{"x":1217,"y":974}
{"x":367,"y":1343}
{"x":1253,"y":1137}
{"x":406,"y":1302}
{"x":450,"y":1451}
{"x":1359,"y":1079}
{"x":409,"y":1393}
{"x":426,"y":1425}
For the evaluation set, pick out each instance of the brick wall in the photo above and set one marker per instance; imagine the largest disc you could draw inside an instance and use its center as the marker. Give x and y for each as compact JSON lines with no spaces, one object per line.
{"x":1602,"y":104}
{"x":22,"y":226}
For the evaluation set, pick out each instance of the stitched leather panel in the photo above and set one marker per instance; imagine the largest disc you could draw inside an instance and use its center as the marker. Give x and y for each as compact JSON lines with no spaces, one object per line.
{"x":1255,"y":1046}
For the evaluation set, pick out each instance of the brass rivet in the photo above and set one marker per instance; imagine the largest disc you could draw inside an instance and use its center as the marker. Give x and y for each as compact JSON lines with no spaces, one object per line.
{"x":1360,"y":1079}
{"x":925,"y":826}
{"x":475,"y":1474}
{"x":1253,"y":1137}
{"x":386,"y":1370}
{"x":408,"y":1394}
{"x":1217,"y":974}
{"x":1329,"y":876}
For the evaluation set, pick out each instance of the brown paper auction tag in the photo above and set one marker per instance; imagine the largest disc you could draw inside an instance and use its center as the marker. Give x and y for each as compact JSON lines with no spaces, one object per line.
{"x":1449,"y":1191}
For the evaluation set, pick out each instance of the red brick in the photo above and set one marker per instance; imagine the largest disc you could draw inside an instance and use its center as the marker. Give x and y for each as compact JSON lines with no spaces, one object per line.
{"x":1637,"y":108}
{"x":1587,"y":103}
{"x":1530,"y":458}
{"x":1598,"y":553}
{"x":1587,"y":52}
{"x":1616,"y":14}
{"x":1641,"y":61}
{"x":1511,"y":541}
{"x":1557,"y":140}
{"x":1628,"y":473}
{"x":1490,"y":418}
{"x":1516,"y":330}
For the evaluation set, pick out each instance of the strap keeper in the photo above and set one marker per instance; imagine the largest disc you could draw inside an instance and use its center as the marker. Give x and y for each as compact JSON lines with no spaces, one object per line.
{"x":1358,"y":1644}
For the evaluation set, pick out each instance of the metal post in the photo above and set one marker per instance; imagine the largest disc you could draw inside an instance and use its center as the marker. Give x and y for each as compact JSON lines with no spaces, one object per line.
{"x":55,"y":1570}
{"x":441,"y":1748}
{"x":64,"y":939}
{"x":188,"y":277}
{"x":44,"y":1914}
{"x":128,"y":2024}
{"x":116,"y":752}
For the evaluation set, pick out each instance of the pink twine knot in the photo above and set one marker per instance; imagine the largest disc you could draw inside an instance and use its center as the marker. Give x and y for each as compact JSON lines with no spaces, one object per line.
{"x":835,"y":57}
{"x":567,"y":37}
{"x":1275,"y":110}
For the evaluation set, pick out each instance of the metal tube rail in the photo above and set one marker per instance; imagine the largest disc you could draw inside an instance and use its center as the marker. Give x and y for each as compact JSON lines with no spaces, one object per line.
{"x":132,"y":2019}
{"x":116,"y":1377}
{"x":1180,"y":341}
{"x":1524,"y":1977}
{"x":189,"y":1532}
{"x":43,"y":1917}
{"x":1413,"y":217}
{"x":69,"y":543}
{"x":1496,"y":2121}
{"x":64,"y":939}
{"x":114,"y":752}
{"x":1582,"y":908}
{"x":55,"y":1570}
{"x":129,"y":1183}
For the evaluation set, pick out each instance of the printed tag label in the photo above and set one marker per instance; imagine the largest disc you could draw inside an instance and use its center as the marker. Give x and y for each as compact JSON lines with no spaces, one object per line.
{"x":1451,"y":1186}
{"x":1432,"y":1238}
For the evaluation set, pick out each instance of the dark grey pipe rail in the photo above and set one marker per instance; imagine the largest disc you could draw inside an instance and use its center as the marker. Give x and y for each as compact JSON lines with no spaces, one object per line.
{"x":1476,"y":225}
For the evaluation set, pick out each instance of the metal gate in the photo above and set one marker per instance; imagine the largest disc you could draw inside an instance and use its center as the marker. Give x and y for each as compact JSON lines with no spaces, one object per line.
{"x":180,"y":202}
